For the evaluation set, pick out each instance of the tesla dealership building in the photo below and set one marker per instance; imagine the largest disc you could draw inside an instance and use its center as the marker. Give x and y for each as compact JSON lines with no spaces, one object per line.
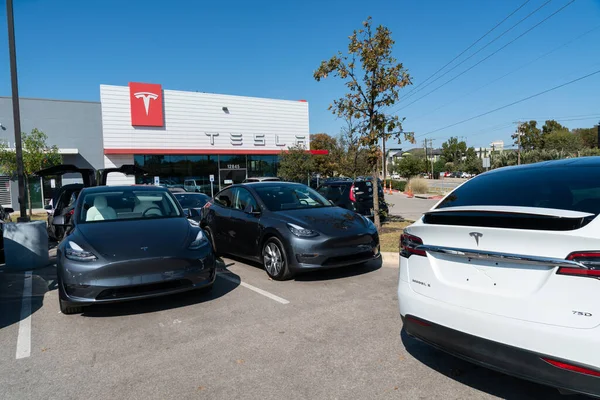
{"x":177,"y":137}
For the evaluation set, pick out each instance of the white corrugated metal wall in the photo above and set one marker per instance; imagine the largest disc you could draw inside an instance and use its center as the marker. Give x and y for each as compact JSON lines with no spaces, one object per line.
{"x":189,"y":116}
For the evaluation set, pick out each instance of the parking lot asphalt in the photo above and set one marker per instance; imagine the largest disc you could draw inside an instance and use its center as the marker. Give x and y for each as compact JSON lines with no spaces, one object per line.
{"x":408,"y":208}
{"x":336,"y":335}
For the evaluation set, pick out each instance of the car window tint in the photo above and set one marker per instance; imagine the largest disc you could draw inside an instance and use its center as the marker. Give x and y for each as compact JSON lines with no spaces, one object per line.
{"x":243,"y":199}
{"x":290,"y":197}
{"x":225,"y":198}
{"x":192,"y":200}
{"x":568,"y":188}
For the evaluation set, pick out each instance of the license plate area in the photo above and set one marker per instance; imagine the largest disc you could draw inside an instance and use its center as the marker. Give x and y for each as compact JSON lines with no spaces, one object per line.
{"x":502,"y":278}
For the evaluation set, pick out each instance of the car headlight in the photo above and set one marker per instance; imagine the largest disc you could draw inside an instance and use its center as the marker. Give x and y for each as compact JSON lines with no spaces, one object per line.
{"x":199,"y":241}
{"x":301,"y":232}
{"x":74,"y":252}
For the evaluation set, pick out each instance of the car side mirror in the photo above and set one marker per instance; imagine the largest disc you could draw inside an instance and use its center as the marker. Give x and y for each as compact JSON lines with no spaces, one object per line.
{"x":9,"y":210}
{"x":59,"y":220}
{"x":48,"y":207}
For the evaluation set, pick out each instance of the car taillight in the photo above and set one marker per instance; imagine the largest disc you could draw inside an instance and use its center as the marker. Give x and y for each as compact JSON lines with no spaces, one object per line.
{"x":570,"y":367}
{"x":352,"y":196}
{"x":409,"y":244}
{"x":590,"y":259}
{"x":72,"y":212}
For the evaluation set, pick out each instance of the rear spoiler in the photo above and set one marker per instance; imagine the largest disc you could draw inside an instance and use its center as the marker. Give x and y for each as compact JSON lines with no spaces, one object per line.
{"x":127,"y":169}
{"x":547,"y":212}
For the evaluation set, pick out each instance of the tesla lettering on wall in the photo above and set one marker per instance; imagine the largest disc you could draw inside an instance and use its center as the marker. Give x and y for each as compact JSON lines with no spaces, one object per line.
{"x":146,"y":101}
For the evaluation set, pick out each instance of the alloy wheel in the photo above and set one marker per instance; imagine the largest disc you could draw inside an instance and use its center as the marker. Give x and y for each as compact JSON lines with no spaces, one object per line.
{"x":273,"y":259}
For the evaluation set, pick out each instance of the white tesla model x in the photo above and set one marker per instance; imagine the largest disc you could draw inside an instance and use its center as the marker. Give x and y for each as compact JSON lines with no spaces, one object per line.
{"x":505,"y":272}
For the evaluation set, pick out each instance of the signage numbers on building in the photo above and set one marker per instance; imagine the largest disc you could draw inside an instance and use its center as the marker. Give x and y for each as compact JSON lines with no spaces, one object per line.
{"x":233,"y":166}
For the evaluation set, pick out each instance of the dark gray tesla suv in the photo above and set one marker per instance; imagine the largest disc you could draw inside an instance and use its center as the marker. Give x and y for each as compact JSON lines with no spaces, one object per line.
{"x":288,"y":227}
{"x":126,"y":243}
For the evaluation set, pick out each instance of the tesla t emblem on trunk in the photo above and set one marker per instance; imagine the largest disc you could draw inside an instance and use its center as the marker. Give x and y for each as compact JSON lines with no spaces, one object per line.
{"x":144,"y":248}
{"x":476,"y":235}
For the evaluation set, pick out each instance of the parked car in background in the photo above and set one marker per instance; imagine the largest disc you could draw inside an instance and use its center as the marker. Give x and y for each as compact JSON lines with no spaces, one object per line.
{"x":63,"y":202}
{"x":4,"y":218}
{"x":192,"y":204}
{"x":130,"y":242}
{"x":262,"y":179}
{"x":356,"y":196}
{"x":289,"y":228}
{"x":504,"y":272}
{"x":196,"y":185}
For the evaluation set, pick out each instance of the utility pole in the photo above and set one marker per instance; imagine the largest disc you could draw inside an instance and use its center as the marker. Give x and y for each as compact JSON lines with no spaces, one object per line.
{"x":16,"y":112}
{"x":432,"y":156}
{"x":426,"y":158}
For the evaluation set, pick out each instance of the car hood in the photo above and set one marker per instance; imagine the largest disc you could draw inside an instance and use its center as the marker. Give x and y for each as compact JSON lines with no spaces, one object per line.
{"x":331,"y":221}
{"x":116,"y":240}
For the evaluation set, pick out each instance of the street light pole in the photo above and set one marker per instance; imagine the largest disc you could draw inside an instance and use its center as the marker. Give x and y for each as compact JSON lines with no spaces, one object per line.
{"x":16,"y":112}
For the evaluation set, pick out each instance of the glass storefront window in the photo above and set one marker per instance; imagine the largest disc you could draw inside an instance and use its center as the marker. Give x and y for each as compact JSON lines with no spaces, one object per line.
{"x":262,"y":165}
{"x":192,"y":172}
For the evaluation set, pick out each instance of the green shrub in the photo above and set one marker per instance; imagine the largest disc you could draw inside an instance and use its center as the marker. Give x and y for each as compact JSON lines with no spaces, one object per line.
{"x":397,"y":185}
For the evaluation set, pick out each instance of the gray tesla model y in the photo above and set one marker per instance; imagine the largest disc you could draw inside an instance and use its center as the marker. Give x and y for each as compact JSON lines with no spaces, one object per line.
{"x":126,"y":243}
{"x":288,"y":227}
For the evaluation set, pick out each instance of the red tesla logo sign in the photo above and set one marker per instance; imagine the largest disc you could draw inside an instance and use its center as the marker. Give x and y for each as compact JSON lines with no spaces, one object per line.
{"x":146,"y":104}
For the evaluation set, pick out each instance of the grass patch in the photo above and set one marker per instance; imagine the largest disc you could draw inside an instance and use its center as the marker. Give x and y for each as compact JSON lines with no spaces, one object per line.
{"x":39,"y":217}
{"x":418,"y":185}
{"x":389,"y":235}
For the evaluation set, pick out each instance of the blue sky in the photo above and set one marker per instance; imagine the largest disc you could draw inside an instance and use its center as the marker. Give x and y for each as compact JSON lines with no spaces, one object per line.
{"x":66,"y":49}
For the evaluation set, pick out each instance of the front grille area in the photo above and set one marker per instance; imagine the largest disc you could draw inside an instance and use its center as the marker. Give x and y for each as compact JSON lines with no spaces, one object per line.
{"x":351,"y":258}
{"x":140,"y":290}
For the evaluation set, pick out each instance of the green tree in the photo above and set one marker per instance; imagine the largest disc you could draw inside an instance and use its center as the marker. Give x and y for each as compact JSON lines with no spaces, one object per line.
{"x":373,"y":78}
{"x":563,"y":140}
{"x":328,"y":164}
{"x":531,"y":136}
{"x":551,"y":126}
{"x":296,"y":164}
{"x":37,"y":154}
{"x":589,"y":136}
{"x":354,"y":158}
{"x":410,"y":166}
{"x":453,"y":151}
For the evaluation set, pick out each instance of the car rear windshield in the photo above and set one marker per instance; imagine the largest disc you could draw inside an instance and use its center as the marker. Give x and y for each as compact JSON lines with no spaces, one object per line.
{"x":574,"y":188}
{"x":112,"y":205}
{"x":290,"y":197}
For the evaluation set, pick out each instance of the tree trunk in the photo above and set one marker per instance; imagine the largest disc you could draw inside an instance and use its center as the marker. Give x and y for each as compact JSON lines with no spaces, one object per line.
{"x":376,"y":197}
{"x":28,"y":196}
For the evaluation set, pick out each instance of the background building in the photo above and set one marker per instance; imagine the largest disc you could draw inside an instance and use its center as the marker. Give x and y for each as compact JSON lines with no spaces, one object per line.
{"x":180,"y":138}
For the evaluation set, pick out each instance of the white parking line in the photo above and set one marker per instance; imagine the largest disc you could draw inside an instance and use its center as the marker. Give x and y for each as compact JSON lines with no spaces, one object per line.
{"x":24,"y":337}
{"x":253,"y":288}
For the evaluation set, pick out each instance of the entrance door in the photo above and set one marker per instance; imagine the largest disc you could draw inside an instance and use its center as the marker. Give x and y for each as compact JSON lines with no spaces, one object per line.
{"x":231,"y":176}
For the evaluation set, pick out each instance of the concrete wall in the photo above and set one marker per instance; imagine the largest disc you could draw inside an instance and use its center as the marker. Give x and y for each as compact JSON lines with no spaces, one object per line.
{"x":68,"y":125}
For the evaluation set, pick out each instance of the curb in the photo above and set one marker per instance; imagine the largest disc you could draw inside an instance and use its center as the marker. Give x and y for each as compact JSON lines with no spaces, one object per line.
{"x":390,"y":259}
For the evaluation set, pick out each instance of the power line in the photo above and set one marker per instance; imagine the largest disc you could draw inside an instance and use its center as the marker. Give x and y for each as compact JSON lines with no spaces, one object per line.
{"x":480,"y":50}
{"x":470,"y":47}
{"x":513,"y":103}
{"x":453,"y":101}
{"x":486,"y":58}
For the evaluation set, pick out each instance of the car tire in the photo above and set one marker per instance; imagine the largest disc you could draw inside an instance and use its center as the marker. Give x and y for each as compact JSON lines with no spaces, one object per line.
{"x":275,"y":260}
